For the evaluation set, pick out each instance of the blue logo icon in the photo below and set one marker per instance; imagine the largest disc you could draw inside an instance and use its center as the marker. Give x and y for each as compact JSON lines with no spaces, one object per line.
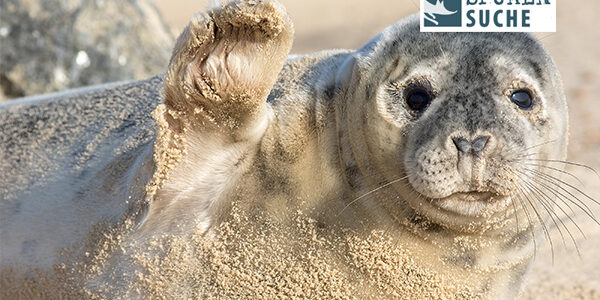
{"x":440,"y":13}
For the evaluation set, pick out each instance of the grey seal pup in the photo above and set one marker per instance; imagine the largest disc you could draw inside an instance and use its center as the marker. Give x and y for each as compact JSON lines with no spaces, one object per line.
{"x":437,"y":141}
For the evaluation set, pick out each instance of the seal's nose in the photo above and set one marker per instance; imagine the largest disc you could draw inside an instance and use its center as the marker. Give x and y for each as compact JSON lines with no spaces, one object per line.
{"x":476,"y":146}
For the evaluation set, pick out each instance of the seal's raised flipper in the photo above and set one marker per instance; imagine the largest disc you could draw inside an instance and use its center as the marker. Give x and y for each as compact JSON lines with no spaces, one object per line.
{"x":222,"y":69}
{"x":225,"y":63}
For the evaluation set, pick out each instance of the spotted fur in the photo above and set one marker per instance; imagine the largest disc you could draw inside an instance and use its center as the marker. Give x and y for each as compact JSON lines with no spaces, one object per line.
{"x":328,"y":134}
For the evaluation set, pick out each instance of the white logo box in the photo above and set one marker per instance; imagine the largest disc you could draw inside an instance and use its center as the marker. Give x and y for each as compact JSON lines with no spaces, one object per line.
{"x":540,"y":15}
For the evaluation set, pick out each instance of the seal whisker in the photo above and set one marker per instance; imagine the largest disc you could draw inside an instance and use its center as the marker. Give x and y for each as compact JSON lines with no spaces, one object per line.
{"x":534,"y":180}
{"x":547,"y":204}
{"x":516,"y":215}
{"x":511,"y":151}
{"x":567,"y":163}
{"x":558,"y":196}
{"x":529,"y":221}
{"x":554,"y":180}
{"x":539,"y":217}
{"x":379,"y":173}
{"x":557,"y":170}
{"x":562,"y":196}
{"x":551,"y":189}
{"x":561,"y":208}
{"x":372,"y":191}
{"x":524,"y":156}
{"x":535,"y":146}
{"x":556,"y":187}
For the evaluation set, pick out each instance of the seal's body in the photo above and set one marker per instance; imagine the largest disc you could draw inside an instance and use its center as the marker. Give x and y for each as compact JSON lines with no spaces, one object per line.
{"x":72,"y":160}
{"x":421,"y":135}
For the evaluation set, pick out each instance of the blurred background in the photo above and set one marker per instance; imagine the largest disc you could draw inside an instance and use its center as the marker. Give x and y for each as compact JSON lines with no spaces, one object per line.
{"x":319,"y":25}
{"x":50,"y":45}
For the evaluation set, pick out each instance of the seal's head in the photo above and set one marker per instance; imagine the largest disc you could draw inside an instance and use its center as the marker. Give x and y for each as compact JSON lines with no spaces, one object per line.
{"x":468,"y":118}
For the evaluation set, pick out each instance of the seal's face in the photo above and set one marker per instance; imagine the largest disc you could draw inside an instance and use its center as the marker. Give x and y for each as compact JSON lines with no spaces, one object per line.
{"x":474,"y":117}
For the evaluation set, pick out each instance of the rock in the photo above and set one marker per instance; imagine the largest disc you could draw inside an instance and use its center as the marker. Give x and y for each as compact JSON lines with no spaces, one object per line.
{"x":51,"y":45}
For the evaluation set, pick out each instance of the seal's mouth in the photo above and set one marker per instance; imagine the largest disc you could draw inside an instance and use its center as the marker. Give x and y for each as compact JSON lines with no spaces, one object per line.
{"x":470,"y":203}
{"x":466,"y":211}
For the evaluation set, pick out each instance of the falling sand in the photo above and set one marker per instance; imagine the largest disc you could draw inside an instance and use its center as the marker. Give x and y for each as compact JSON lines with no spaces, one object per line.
{"x":248,"y":257}
{"x":252,"y":257}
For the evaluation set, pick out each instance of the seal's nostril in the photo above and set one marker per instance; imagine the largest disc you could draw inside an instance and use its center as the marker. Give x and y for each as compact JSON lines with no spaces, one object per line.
{"x":479,"y":143}
{"x":462,"y":144}
{"x":465,"y":146}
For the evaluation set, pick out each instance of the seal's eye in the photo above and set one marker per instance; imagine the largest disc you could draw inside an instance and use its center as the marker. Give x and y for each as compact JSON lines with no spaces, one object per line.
{"x":418,"y":99}
{"x":522,"y":98}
